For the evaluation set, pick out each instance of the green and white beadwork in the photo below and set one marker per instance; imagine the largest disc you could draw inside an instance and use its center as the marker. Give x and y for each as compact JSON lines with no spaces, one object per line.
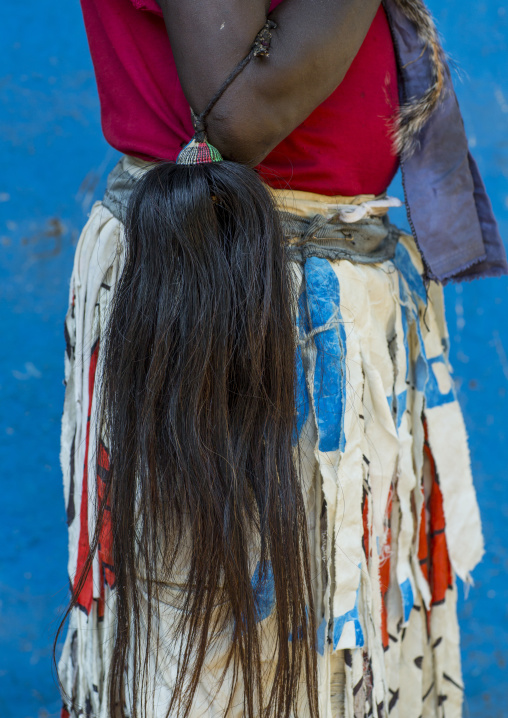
{"x":197,"y":153}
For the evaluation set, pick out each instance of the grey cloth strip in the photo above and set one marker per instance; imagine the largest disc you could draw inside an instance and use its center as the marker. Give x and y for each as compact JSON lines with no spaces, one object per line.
{"x":370,"y":240}
{"x":119,"y":187}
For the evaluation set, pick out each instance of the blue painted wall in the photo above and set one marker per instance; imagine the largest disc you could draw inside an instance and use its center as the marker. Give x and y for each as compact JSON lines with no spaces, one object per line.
{"x":53,"y":164}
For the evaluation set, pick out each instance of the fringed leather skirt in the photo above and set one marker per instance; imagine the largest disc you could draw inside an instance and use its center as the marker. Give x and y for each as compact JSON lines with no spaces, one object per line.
{"x":392,"y":514}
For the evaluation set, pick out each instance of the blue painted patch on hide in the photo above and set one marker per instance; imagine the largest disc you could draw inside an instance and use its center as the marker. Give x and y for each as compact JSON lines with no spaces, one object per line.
{"x":406,"y":591}
{"x":302,"y":396}
{"x":340,"y":623}
{"x":402,"y":261}
{"x":433,"y":395}
{"x":264,"y":591}
{"x":321,"y":637}
{"x":299,"y":630}
{"x":424,"y":377}
{"x":329,"y":392}
{"x":401,"y":406}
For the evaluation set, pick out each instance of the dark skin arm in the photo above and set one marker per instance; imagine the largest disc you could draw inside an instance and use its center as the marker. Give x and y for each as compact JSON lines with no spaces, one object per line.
{"x":311,"y":50}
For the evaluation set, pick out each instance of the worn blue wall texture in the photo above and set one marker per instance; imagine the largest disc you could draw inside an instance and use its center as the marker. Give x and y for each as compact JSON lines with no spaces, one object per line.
{"x":53,"y":165}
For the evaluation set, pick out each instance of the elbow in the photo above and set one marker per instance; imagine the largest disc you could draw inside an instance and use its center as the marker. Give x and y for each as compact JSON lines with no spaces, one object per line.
{"x":245,"y":137}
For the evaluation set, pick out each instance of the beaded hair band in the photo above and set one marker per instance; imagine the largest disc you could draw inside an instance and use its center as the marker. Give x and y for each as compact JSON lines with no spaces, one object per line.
{"x":199,"y":150}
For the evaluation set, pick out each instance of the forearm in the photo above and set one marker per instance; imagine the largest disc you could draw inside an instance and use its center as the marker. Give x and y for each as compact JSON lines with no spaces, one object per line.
{"x":311,"y":51}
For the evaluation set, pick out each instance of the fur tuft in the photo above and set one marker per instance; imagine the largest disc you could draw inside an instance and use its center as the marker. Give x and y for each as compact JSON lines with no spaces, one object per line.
{"x":416,"y":111}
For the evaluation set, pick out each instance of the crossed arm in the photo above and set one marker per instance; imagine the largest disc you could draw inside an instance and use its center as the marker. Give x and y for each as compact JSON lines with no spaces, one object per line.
{"x":312,"y":48}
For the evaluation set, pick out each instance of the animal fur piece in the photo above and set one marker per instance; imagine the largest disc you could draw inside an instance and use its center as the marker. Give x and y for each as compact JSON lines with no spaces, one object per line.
{"x":415,"y":112}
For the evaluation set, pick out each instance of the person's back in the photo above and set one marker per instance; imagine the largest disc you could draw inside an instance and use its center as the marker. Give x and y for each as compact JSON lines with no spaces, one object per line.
{"x":259,"y":413}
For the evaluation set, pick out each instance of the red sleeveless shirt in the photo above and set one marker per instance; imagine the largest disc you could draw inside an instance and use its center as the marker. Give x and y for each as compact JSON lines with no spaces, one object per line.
{"x":343,"y":147}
